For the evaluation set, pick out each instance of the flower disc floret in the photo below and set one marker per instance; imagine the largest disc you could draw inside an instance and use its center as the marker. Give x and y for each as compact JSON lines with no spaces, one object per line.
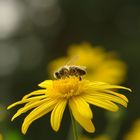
{"x":68,"y":87}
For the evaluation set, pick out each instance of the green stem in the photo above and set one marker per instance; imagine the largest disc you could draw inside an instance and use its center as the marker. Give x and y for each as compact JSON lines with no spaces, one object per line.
{"x":75,"y":133}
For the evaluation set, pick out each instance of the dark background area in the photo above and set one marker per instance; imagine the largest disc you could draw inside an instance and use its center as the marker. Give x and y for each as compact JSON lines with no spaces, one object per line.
{"x":33,"y":32}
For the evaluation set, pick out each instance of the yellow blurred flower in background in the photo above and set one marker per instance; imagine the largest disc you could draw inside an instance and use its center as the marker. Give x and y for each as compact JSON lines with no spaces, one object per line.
{"x":134,"y":133}
{"x":100,"y":137}
{"x":1,"y":137}
{"x":101,"y":65}
{"x":71,"y":91}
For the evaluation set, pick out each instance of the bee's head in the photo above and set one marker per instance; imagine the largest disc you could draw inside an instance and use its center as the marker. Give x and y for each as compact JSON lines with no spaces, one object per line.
{"x":57,"y":75}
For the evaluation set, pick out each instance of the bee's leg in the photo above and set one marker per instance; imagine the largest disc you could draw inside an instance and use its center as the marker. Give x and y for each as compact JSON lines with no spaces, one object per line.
{"x":67,"y":76}
{"x":80,"y":78}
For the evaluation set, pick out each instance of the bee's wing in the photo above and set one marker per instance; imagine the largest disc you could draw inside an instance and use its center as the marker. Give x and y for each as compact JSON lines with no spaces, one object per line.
{"x":72,"y":60}
{"x":83,"y":67}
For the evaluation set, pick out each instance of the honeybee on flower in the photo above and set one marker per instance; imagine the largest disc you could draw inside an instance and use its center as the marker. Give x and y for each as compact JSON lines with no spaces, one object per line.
{"x":70,"y":70}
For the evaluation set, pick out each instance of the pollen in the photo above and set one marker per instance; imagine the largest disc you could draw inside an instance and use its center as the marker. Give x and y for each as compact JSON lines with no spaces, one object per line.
{"x":68,"y":87}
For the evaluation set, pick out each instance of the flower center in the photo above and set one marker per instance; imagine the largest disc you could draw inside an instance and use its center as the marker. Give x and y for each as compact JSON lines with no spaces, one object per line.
{"x":67,"y":87}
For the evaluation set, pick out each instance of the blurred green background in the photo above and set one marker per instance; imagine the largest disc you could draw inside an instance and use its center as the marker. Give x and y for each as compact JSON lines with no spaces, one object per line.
{"x":33,"y":32}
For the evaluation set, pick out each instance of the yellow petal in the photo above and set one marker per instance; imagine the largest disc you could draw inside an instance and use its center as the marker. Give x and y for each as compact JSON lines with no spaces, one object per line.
{"x":26,"y":100}
{"x":86,"y":123}
{"x":37,"y":113}
{"x":102,"y":86}
{"x":46,"y":84}
{"x":57,"y":114}
{"x":82,"y":106}
{"x":27,"y":107}
{"x":110,"y":92}
{"x":101,"y":103}
{"x":37,"y":92}
{"x":117,"y":87}
{"x":117,"y":94}
{"x":105,"y":96}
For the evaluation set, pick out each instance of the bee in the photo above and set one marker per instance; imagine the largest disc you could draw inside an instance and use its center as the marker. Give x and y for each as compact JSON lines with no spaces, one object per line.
{"x":72,"y":70}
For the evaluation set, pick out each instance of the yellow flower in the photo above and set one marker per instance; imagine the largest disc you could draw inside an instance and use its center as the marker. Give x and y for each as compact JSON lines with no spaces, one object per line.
{"x":75,"y":93}
{"x":101,"y":65}
{"x":134,"y":134}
